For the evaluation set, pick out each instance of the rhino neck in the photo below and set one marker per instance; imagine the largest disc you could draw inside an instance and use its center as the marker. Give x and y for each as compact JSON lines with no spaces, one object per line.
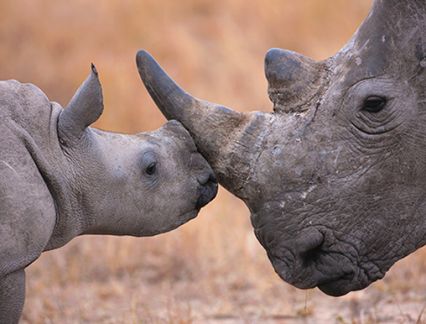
{"x":52,"y":165}
{"x":61,"y":182}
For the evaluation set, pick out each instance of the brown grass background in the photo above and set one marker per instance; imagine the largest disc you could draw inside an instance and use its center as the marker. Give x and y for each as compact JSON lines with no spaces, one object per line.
{"x":211,"y":270}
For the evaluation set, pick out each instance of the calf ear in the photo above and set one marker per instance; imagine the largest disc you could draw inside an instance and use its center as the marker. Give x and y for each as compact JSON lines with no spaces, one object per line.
{"x":85,"y":107}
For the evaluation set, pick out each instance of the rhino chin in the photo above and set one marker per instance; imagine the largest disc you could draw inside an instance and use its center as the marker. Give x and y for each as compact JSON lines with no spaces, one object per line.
{"x":330,"y":281}
{"x":340,"y":287}
{"x":332,"y":273}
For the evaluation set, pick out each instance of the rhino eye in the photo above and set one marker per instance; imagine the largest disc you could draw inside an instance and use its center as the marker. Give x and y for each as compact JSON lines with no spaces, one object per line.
{"x":151,"y":168}
{"x":374,"y":104}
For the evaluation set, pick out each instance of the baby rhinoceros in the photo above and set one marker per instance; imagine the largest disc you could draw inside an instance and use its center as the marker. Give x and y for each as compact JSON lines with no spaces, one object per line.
{"x":60,"y":178}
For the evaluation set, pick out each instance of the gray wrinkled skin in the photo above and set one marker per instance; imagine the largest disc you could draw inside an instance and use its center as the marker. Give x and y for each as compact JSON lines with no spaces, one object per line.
{"x":334,"y":177}
{"x":61,"y":178}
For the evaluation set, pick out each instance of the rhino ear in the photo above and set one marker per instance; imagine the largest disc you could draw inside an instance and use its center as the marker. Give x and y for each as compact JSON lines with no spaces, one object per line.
{"x":85,"y":107}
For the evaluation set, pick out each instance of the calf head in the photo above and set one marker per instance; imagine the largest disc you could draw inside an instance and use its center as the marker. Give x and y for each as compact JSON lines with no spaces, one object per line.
{"x":335,"y":176}
{"x":139,"y":185}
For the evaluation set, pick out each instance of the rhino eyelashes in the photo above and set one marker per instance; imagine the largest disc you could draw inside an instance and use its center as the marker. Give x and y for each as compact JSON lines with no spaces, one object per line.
{"x":374,"y":104}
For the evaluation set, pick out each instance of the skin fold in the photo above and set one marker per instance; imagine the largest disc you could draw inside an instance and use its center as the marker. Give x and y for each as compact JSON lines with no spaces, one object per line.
{"x":334,"y":177}
{"x":61,"y":178}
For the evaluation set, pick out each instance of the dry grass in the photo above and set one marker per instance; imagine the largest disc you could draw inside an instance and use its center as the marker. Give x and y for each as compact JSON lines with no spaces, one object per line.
{"x":212,"y":269}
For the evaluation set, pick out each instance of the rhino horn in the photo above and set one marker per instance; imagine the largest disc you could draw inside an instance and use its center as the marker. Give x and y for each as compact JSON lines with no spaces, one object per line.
{"x":215,"y":128}
{"x":85,"y":107}
{"x":292,"y":79}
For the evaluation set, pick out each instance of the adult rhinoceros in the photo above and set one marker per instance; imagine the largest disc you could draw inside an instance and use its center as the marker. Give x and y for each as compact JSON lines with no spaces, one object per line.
{"x":335,"y":177}
{"x":60,"y":178}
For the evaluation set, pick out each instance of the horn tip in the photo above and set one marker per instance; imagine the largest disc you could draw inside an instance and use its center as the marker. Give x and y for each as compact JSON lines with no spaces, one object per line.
{"x":142,"y":54}
{"x":144,"y":59}
{"x":94,"y":70}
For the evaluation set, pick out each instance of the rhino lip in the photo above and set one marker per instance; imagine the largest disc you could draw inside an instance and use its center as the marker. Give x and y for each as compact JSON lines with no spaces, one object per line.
{"x":338,"y":286}
{"x":301,"y":277}
{"x":315,"y":267}
{"x":189,"y":215}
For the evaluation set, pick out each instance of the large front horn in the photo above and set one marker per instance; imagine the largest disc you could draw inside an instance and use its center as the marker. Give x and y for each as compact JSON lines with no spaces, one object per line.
{"x":217,"y":130}
{"x":85,"y":108}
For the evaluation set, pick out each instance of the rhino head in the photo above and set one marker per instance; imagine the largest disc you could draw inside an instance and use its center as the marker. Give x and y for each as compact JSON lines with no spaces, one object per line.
{"x":140,"y":185}
{"x":335,"y":176}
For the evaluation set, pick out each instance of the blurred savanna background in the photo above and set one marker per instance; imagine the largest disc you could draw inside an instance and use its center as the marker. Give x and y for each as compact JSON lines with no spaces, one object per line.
{"x":212,"y":269}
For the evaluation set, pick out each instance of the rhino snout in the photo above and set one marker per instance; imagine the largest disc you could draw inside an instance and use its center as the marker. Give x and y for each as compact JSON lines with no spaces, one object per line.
{"x":314,"y":259}
{"x":207,"y":189}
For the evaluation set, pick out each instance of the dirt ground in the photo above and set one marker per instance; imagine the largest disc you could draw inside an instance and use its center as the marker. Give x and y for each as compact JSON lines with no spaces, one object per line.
{"x":211,"y":270}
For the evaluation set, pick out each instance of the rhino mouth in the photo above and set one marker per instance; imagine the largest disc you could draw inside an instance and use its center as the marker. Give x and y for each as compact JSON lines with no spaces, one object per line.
{"x":315,"y":258}
{"x":339,"y":286}
{"x":333,"y":278}
{"x":331,"y":273}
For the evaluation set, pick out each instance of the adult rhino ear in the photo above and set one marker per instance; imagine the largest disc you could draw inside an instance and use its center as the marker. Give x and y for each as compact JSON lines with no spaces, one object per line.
{"x":85,"y":108}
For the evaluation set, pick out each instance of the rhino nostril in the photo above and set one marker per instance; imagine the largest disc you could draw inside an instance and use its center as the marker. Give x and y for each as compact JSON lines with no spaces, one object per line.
{"x":207,"y":190}
{"x":207,"y":178}
{"x":311,"y":256}
{"x":311,"y":249}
